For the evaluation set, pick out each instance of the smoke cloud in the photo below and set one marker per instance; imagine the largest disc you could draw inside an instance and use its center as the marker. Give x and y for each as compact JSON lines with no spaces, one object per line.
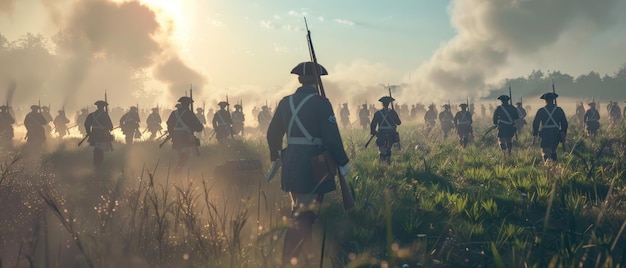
{"x":7,"y":6}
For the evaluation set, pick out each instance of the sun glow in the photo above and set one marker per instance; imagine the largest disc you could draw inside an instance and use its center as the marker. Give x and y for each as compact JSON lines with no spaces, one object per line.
{"x":172,"y":15}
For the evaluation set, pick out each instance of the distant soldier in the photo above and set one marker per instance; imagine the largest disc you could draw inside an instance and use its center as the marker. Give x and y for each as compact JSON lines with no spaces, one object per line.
{"x":580,"y":113}
{"x":483,"y":111}
{"x":264,"y":118}
{"x":129,"y":123}
{"x":45,"y":112}
{"x":202,"y":118}
{"x":446,"y":120}
{"x":520,"y":122}
{"x":60,"y":124}
{"x":35,"y":131}
{"x":592,"y":120}
{"x":222,"y":123}
{"x":553,"y":124}
{"x":181,"y":125}
{"x":383,"y":126}
{"x":6,"y":128}
{"x":504,"y":117}
{"x":364,"y":116}
{"x":463,"y":122}
{"x":344,"y":114}
{"x":615,"y":113}
{"x":80,"y":121}
{"x":238,"y":120}
{"x":430,"y":118}
{"x":154,"y":123}
{"x":98,"y":126}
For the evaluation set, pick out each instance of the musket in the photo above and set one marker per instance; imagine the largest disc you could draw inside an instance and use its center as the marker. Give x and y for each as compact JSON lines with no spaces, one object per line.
{"x":241,"y":105}
{"x":511,"y":100}
{"x":369,"y":140}
{"x":389,"y":89}
{"x":561,"y":139}
{"x":194,"y":136}
{"x":348,"y":201}
{"x":230,"y":126}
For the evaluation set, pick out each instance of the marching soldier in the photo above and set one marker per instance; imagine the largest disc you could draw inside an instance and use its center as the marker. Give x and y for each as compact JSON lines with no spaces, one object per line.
{"x":222,"y":123}
{"x":238,"y":120}
{"x":344,"y":114}
{"x":98,"y":126}
{"x":202,"y":118}
{"x":310,"y":125}
{"x":615,"y":113}
{"x":483,"y":111}
{"x":520,"y":122}
{"x":35,"y":124}
{"x":181,"y":125}
{"x":580,"y":113}
{"x":430,"y":117}
{"x":129,"y":123}
{"x":45,"y":112}
{"x":504,"y":117}
{"x":154,"y":123}
{"x":264,"y":118}
{"x":446,"y":120}
{"x":6,"y":128}
{"x":383,"y":126}
{"x":364,"y":116}
{"x":80,"y":121}
{"x":463,"y":122}
{"x":592,"y":120}
{"x":553,"y":124}
{"x":60,"y":124}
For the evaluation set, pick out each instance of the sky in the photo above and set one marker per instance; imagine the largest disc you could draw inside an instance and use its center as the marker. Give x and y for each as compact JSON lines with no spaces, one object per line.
{"x":438,"y":49}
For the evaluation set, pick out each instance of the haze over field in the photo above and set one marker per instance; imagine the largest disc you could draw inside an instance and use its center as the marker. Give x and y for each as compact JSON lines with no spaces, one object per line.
{"x":68,"y":52}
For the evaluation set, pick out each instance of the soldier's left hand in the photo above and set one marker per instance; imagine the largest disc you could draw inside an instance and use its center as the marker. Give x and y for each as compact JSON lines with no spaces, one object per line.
{"x":344,"y":170}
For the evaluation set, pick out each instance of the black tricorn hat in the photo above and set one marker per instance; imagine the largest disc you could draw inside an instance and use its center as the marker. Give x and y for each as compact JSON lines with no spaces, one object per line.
{"x":591,"y":104}
{"x":101,"y":103}
{"x":185,"y":99}
{"x":386,"y":99}
{"x":222,"y":103}
{"x":237,"y":106}
{"x":504,"y":98}
{"x":463,"y":105}
{"x":549,"y":96}
{"x":308,"y":68}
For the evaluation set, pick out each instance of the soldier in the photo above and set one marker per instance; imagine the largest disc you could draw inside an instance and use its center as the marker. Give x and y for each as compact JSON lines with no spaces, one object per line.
{"x":553,"y":124}
{"x":129,"y":123}
{"x":615,"y":113}
{"x":580,"y":113}
{"x":60,"y":124}
{"x":504,"y":117}
{"x":98,"y":126}
{"x":308,"y":120}
{"x":520,"y":122}
{"x":45,"y":112}
{"x":592,"y":120}
{"x":344,"y":114}
{"x":80,"y":121}
{"x":445,"y":119}
{"x":238,"y":120}
{"x":463,"y":123}
{"x":430,"y":117}
{"x":222,"y":123}
{"x":364,"y":116}
{"x":154,"y":123}
{"x":35,"y":131}
{"x":483,"y":111}
{"x":264,"y":118}
{"x":6,"y":128}
{"x":386,"y":120}
{"x":181,"y":125}
{"x":202,"y":118}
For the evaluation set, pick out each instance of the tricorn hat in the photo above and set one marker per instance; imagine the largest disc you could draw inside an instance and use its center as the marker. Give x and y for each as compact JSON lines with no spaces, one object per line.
{"x":222,"y":103}
{"x":199,"y":109}
{"x":446,"y":106}
{"x":504,"y":98}
{"x":185,"y":99}
{"x":463,"y":105}
{"x":308,"y":68}
{"x":591,"y":104}
{"x":518,"y":103}
{"x":101,"y":103}
{"x":237,"y":106}
{"x":386,"y":99}
{"x":3,"y":107}
{"x":61,"y":111}
{"x":155,"y":109}
{"x":549,"y":96}
{"x":34,"y":107}
{"x":84,"y":110}
{"x":264,"y":107}
{"x":133,"y":108}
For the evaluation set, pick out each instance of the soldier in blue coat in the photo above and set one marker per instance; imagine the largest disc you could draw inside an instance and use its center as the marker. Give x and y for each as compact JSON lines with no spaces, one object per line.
{"x":592,"y":120}
{"x":383,"y":126}
{"x":553,"y":123}
{"x":308,"y":121}
{"x":504,"y":117}
{"x":98,"y":126}
{"x":181,"y":125}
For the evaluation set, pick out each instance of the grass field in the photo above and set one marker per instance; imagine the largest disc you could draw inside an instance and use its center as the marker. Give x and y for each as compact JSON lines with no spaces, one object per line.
{"x":436,"y":205}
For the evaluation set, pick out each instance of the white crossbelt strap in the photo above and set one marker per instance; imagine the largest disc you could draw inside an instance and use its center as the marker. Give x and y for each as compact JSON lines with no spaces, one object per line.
{"x":96,"y":123}
{"x":593,"y":116}
{"x":180,"y":124}
{"x":463,"y":120}
{"x":385,"y":124}
{"x":510,"y":121}
{"x":550,"y":123}
{"x":221,"y":121}
{"x":307,"y":139}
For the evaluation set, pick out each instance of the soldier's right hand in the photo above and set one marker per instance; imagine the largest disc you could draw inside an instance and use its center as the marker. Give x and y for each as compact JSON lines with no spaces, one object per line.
{"x":373,"y":132}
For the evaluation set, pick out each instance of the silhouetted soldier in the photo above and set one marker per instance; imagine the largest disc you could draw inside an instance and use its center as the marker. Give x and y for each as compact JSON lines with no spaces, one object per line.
{"x":592,"y":120}
{"x":60,"y":124}
{"x":45,"y":112}
{"x":580,"y":113}
{"x":615,"y":113}
{"x":504,"y":117}
{"x":154,"y":123}
{"x":129,"y":123}
{"x":222,"y":123}
{"x":383,"y":126}
{"x":445,"y":119}
{"x":35,"y":131}
{"x":80,"y":121}
{"x":202,"y":118}
{"x":6,"y":128}
{"x":98,"y":126}
{"x":238,"y":120}
{"x":264,"y":118}
{"x":364,"y":116}
{"x":430,"y":118}
{"x":463,"y":122}
{"x":483,"y":111}
{"x":181,"y":125}
{"x":309,"y":122}
{"x":520,"y":122}
{"x":553,"y":124}
{"x":344,"y":114}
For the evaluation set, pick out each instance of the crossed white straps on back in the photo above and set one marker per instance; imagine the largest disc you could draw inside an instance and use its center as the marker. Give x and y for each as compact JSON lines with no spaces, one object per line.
{"x":550,"y":123}
{"x":385,"y":124}
{"x":510,"y":122}
{"x":96,"y":123}
{"x":307,"y":139}
{"x":464,"y":120}
{"x":180,"y":124}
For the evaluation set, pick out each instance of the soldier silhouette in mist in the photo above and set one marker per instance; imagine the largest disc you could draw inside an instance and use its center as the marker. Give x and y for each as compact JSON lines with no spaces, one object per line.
{"x":60,"y":124}
{"x":430,"y":118}
{"x":181,"y":125}
{"x":553,"y":123}
{"x":222,"y":123}
{"x":45,"y":112}
{"x":364,"y":117}
{"x":35,"y":131}
{"x":238,"y":120}
{"x":521,"y":114}
{"x":580,"y":113}
{"x":344,"y":114}
{"x":463,"y":123}
{"x":154,"y":123}
{"x":129,"y":123}
{"x":80,"y":121}
{"x":98,"y":126}
{"x":383,"y":126}
{"x":6,"y":128}
{"x":592,"y":120}
{"x":264,"y":118}
{"x":504,"y":117}
{"x":446,"y":120}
